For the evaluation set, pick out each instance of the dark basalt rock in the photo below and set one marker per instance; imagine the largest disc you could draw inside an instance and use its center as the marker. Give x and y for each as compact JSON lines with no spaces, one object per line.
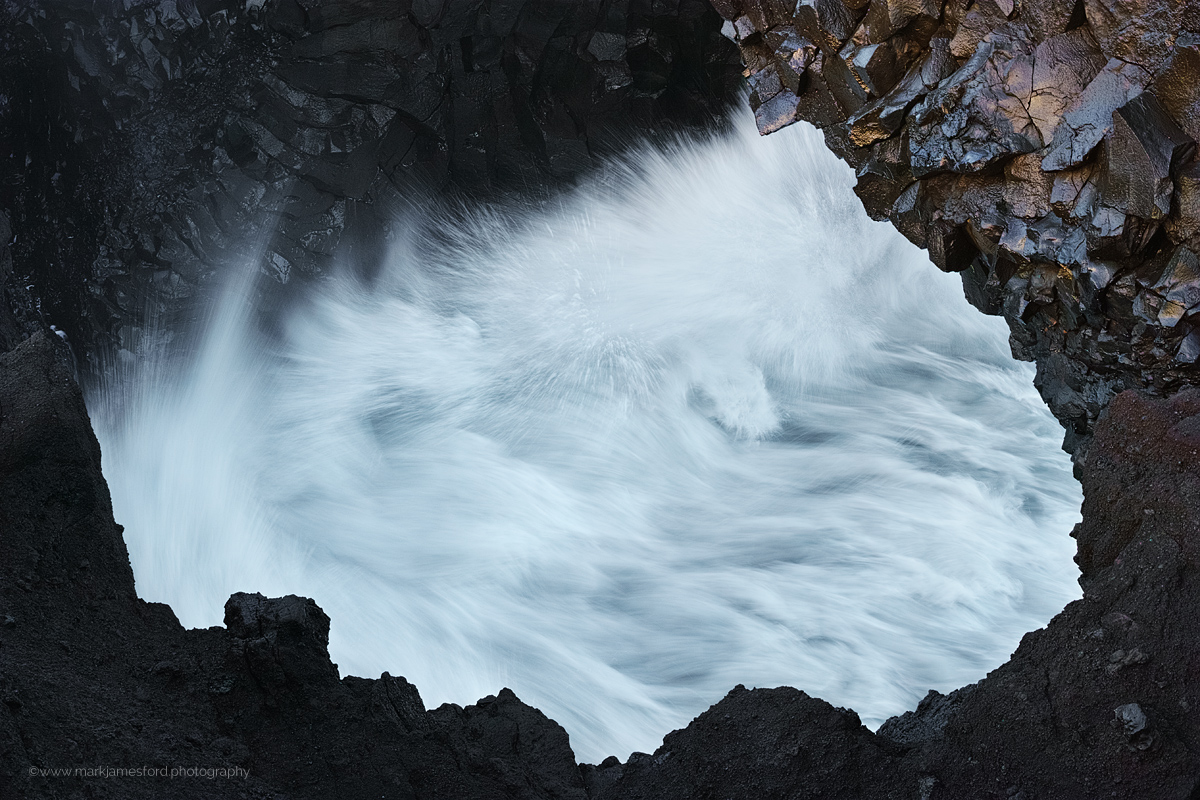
{"x":11,"y":329}
{"x":146,"y":147}
{"x":760,"y":743}
{"x":1043,"y":150}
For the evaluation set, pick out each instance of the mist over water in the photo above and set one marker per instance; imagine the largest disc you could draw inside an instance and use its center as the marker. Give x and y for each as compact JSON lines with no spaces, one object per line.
{"x":699,"y":423}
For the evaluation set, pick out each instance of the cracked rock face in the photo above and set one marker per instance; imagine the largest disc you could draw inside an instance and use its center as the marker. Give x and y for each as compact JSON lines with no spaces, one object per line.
{"x":147,"y":146}
{"x":1043,"y":150}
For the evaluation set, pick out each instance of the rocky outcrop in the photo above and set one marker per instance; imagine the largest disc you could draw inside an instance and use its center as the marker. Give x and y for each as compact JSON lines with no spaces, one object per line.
{"x":1042,"y":150}
{"x":147,"y":146}
{"x":11,"y":329}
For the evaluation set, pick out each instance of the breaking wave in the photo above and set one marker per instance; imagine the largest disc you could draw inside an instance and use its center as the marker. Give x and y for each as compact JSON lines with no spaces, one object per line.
{"x":697,"y":423}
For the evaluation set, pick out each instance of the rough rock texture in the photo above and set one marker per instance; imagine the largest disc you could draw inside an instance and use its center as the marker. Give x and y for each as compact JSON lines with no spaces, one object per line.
{"x":148,"y":145}
{"x":1044,"y":150}
{"x":760,"y":743}
{"x":11,"y":329}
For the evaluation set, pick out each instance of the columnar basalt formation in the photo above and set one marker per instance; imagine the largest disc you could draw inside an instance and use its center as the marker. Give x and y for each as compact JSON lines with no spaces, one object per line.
{"x":150,"y":145}
{"x":1044,"y":150}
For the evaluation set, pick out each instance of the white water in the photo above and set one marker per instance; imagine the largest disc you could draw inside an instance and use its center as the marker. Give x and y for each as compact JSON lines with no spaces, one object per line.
{"x":702,"y":424}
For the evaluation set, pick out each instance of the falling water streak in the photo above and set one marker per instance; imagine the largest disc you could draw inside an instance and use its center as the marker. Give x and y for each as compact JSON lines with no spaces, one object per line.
{"x":702,"y":423}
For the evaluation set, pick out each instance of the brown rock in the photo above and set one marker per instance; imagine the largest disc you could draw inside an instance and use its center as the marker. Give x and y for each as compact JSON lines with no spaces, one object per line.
{"x":979,"y":115}
{"x":1062,"y":67}
{"x":981,"y":19}
{"x":828,"y":23}
{"x":1184,"y":225}
{"x":883,"y":117}
{"x":1177,"y":86}
{"x":1179,"y":287}
{"x":1026,"y":188}
{"x":886,"y":18}
{"x":1145,"y":147}
{"x":950,"y":246}
{"x":1048,"y":18}
{"x":1138,"y":31}
{"x":876,"y":67}
{"x":1074,"y":192}
{"x":883,"y":177}
{"x":777,"y":112}
{"x":844,"y":85}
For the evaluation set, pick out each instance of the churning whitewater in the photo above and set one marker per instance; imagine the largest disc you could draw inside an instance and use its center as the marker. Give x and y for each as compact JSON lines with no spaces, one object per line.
{"x":699,"y":423}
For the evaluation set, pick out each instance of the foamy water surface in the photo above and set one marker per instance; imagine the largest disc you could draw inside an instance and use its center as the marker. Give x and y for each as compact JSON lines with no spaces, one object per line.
{"x":698,"y":423}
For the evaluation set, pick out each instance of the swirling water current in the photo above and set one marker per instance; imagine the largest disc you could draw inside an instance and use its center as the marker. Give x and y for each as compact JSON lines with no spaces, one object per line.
{"x":699,"y":422}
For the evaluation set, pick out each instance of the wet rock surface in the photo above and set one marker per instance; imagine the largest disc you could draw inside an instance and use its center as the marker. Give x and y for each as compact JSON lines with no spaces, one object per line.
{"x":149,"y":147}
{"x":1042,"y":150}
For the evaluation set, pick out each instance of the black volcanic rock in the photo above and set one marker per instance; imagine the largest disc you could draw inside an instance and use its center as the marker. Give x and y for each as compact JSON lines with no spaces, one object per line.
{"x":1042,"y":150}
{"x":150,"y":146}
{"x":760,"y":743}
{"x":12,"y":299}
